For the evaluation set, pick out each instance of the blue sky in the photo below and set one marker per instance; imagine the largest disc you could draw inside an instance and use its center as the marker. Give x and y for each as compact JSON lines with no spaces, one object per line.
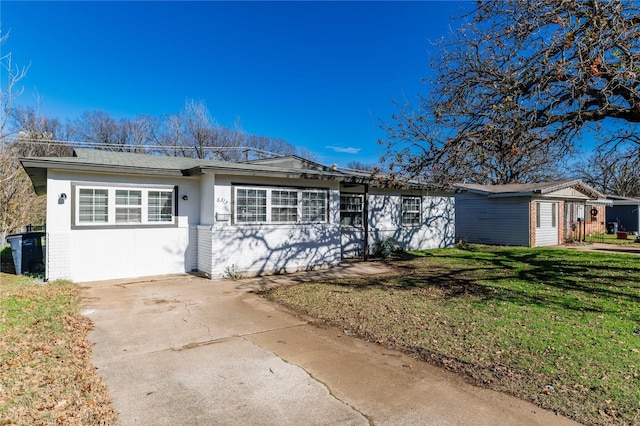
{"x":318,"y":74}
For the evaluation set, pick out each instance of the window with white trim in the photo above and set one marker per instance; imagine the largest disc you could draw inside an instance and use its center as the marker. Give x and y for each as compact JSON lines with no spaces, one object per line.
{"x":314,"y":206}
{"x":280,"y":205}
{"x":351,"y":210}
{"x":115,"y":206}
{"x":128,"y":206}
{"x":93,"y":205}
{"x":284,"y":206}
{"x":251,"y":205}
{"x":160,"y":207}
{"x":411,"y":210}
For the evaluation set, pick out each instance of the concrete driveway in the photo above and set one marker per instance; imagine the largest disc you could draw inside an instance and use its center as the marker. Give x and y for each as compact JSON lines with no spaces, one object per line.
{"x":183,"y":350}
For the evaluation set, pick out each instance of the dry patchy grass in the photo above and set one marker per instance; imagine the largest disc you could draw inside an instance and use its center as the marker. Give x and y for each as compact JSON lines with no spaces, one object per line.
{"x":46,"y":376}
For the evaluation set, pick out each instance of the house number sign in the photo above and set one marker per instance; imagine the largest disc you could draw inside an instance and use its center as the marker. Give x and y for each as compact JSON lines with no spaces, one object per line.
{"x":222,"y":200}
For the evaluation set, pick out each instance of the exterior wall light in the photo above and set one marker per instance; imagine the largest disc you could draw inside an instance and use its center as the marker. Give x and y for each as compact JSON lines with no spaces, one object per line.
{"x":185,"y":198}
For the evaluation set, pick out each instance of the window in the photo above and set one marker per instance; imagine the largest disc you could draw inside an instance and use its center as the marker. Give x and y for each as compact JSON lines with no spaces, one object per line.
{"x":547,"y":215}
{"x":411,"y":211}
{"x":284,"y":206}
{"x":160,"y":207}
{"x":128,"y":206}
{"x":106,"y":206}
{"x":314,"y":206}
{"x":351,"y":210}
{"x":93,"y":206}
{"x":280,"y":205}
{"x":251,"y":205}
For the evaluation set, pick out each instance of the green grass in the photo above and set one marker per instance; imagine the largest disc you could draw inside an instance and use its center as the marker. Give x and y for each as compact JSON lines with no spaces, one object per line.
{"x":557,"y":327}
{"x":45,"y":371}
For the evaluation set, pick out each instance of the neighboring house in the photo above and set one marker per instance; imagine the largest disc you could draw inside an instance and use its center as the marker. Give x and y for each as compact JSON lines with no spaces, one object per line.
{"x":624,"y":212}
{"x":122,"y":215}
{"x":537,"y":214}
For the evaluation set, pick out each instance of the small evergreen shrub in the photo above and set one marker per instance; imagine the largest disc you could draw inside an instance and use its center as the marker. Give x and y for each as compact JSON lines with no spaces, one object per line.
{"x":385,"y":247}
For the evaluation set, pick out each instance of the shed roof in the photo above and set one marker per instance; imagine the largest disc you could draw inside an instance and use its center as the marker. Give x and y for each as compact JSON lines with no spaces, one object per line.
{"x":618,"y":200}
{"x":531,"y":189}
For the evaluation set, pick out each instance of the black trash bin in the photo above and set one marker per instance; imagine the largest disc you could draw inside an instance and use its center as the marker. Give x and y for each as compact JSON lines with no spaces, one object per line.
{"x":612,"y":227}
{"x":28,"y":252}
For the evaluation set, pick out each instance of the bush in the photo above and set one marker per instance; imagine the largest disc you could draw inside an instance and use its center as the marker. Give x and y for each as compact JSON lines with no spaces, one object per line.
{"x":385,"y":247}
{"x":6,"y":261}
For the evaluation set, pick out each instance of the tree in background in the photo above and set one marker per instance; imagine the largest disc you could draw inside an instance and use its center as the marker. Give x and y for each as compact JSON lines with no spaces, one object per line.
{"x":357,"y":165}
{"x":39,"y":135}
{"x":103,"y":131}
{"x":18,"y":204}
{"x":191,"y":132}
{"x":515,"y":88}
{"x":194,"y":133}
{"x":612,"y":172}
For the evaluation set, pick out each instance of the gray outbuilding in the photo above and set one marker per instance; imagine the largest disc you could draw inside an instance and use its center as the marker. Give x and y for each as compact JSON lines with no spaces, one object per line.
{"x":530,"y":215}
{"x":623,"y":214}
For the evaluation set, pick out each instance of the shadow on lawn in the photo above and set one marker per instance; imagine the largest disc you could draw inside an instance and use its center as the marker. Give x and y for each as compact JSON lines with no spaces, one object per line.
{"x":590,"y":282}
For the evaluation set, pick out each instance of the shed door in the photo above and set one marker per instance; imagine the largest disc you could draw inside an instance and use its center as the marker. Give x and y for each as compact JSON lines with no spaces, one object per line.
{"x":546,"y":223}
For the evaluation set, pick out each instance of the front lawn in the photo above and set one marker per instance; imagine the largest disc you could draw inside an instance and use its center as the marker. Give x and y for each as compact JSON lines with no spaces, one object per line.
{"x":46,"y":376}
{"x":557,"y":327}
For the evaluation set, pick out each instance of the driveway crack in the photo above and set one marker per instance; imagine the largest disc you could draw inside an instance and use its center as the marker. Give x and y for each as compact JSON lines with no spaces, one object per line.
{"x":201,"y":324}
{"x":325,"y":385}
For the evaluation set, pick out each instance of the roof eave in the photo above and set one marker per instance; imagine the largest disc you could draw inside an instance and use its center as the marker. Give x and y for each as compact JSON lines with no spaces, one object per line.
{"x":38,"y":178}
{"x":577,"y":185}
{"x":511,"y":194}
{"x":60,"y":163}
{"x":275,"y":173}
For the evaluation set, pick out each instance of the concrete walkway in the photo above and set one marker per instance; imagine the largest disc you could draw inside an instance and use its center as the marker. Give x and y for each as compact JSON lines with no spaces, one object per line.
{"x":183,"y":350}
{"x":606,"y":248}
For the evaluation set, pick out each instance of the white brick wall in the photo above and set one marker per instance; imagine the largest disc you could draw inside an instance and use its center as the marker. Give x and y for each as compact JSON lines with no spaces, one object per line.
{"x":192,"y":250}
{"x":58,"y":253}
{"x":254,"y":250}
{"x":204,"y":249}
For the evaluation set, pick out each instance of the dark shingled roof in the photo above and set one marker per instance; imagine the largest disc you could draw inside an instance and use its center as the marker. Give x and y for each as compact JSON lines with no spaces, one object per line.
{"x":89,"y":160}
{"x":524,"y":189}
{"x":142,"y":161}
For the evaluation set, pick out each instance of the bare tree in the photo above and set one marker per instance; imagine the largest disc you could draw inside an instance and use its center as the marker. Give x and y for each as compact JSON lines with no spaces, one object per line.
{"x":9,"y":89}
{"x":514,"y":87}
{"x":612,"y":172}
{"x":165,"y":134}
{"x":194,"y":133}
{"x":39,"y":135}
{"x":357,"y":165}
{"x":101,"y":130}
{"x":18,"y":204}
{"x":199,"y":133}
{"x":265,"y":145}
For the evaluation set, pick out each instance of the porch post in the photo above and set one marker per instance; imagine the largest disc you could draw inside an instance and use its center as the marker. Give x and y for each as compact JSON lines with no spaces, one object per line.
{"x":365,"y":213}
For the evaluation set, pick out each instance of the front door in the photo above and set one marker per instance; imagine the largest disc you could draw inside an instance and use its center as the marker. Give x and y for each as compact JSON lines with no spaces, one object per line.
{"x":573,"y":218}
